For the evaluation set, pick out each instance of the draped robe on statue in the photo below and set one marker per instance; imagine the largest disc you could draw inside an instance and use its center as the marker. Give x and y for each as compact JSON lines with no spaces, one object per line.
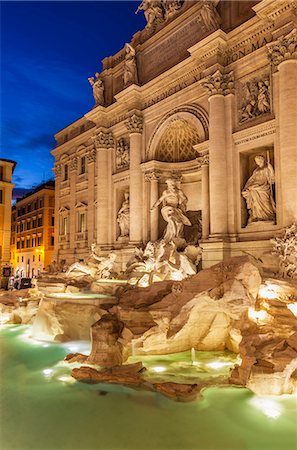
{"x":258,"y":194}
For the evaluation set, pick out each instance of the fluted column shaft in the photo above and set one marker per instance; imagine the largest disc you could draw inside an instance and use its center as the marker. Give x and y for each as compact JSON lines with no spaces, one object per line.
{"x":205,"y":201}
{"x":91,"y":195}
{"x":134,"y":126}
{"x":217,"y":166}
{"x":288,"y":139}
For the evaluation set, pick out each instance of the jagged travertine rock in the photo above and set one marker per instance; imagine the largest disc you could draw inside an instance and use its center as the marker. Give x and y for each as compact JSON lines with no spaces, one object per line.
{"x":200,"y":312}
{"x":106,"y":347}
{"x":62,"y":321}
{"x":269,"y":347}
{"x":131,"y":375}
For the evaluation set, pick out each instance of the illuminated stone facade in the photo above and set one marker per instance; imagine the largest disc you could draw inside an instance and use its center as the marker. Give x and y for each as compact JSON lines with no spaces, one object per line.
{"x":195,"y":96}
{"x":6,"y":186}
{"x":32,"y":231}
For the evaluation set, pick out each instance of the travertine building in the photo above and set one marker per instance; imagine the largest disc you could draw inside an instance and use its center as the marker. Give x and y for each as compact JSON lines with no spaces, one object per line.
{"x":32,"y":230}
{"x":205,"y":94}
{"x":6,"y":170}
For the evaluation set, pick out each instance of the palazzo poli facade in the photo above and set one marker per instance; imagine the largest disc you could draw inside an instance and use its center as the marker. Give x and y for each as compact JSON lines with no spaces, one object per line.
{"x":204,"y":95}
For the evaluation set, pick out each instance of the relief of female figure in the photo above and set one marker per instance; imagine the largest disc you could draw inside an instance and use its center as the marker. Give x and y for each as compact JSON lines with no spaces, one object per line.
{"x":173,"y":210}
{"x":258,"y":192}
{"x":130,"y":68}
{"x":123,"y":218}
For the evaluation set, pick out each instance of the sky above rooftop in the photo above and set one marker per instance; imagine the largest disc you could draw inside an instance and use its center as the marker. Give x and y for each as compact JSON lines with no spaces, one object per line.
{"x":48,"y":51}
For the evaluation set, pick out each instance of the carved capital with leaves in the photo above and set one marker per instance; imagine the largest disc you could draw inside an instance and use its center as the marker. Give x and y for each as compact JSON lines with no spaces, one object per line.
{"x":104,"y":140}
{"x":219,"y":83}
{"x":57,"y":170}
{"x":134,"y":124}
{"x":283,"y":49}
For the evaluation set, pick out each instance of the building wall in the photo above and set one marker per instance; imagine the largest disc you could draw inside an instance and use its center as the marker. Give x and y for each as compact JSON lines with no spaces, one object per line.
{"x":6,"y":186}
{"x":235,"y":88}
{"x":32,"y":241}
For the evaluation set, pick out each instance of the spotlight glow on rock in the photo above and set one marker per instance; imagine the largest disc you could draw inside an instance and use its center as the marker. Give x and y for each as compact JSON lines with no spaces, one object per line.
{"x":293,"y":308}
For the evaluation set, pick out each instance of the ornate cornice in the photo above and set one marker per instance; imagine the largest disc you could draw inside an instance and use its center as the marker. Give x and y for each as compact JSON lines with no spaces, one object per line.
{"x":283,"y":49}
{"x":104,"y":139}
{"x":134,"y":124}
{"x":218,"y":83}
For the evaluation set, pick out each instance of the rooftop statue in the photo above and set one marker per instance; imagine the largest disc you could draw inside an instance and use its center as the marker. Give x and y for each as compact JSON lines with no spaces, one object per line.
{"x":130,"y":67}
{"x":153,"y":11}
{"x":210,"y":18}
{"x":96,"y":266}
{"x":98,"y":89}
{"x":258,"y":192}
{"x":174,"y":204}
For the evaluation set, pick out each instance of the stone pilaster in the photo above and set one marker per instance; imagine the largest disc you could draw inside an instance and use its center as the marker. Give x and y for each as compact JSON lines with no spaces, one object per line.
{"x":57,"y":171}
{"x":91,"y":158}
{"x":153,"y":178}
{"x":283,"y":56}
{"x":205,"y":197}
{"x":218,"y":86}
{"x":135,"y":127}
{"x":72,"y":202}
{"x":104,"y":142}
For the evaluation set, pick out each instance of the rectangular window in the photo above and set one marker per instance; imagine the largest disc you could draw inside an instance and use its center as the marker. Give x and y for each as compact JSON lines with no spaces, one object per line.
{"x":66,"y":172}
{"x":18,"y":259}
{"x":81,"y":222}
{"x":28,"y":225}
{"x":33,"y":258}
{"x":18,"y":245}
{"x":34,"y":242}
{"x":23,"y":210}
{"x":39,"y":222}
{"x":52,"y":241}
{"x":29,"y":208}
{"x":28,"y":243}
{"x":1,"y":196}
{"x":22,"y":244}
{"x":39,"y":258}
{"x":41,"y":203}
{"x":22,"y":259}
{"x":39,"y":240}
{"x":34,"y":223}
{"x":53,"y":221}
{"x":82,"y":165}
{"x":23,"y":226}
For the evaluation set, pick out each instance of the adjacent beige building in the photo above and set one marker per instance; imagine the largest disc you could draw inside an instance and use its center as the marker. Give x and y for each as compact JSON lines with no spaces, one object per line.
{"x":206,"y":94}
{"x":32,"y":231}
{"x":6,"y":186}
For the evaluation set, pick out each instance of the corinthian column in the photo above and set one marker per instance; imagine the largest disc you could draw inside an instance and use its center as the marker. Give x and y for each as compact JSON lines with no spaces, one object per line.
{"x":91,"y":158}
{"x":57,"y":172}
{"x":283,"y":56}
{"x":218,"y":85}
{"x":104,"y":142}
{"x":72,"y":218}
{"x":134,"y":126}
{"x":205,"y":196}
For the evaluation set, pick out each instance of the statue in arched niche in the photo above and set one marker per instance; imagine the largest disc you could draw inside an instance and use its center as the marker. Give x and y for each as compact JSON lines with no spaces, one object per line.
{"x":174,"y":203}
{"x":123,"y":218}
{"x":258,"y":192}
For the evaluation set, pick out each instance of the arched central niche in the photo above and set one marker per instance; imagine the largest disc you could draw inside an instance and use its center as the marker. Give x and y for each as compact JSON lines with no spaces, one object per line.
{"x":176,"y":143}
{"x":177,"y":134}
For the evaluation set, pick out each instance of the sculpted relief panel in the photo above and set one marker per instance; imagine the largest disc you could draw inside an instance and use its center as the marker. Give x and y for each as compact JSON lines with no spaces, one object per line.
{"x":122,"y":154}
{"x":254,"y":99}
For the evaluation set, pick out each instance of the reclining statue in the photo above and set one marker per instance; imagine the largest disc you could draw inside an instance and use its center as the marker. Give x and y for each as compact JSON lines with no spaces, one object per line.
{"x":95,"y":266}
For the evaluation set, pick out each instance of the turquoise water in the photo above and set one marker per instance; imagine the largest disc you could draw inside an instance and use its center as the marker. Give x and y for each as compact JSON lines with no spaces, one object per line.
{"x":48,"y":410}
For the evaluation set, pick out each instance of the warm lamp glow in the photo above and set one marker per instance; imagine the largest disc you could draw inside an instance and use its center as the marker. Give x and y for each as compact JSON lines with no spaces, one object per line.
{"x":257,"y":316}
{"x":267,"y":292}
{"x":293,"y":308}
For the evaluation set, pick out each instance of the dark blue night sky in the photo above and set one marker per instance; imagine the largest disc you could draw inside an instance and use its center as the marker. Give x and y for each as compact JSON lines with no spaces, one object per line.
{"x":48,"y":50}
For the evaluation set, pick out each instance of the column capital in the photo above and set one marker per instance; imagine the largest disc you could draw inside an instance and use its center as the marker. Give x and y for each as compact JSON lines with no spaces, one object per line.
{"x":91,"y":155}
{"x":103,"y":139}
{"x":73,"y":164}
{"x":218,"y":83}
{"x":203,"y":160}
{"x":57,"y":170}
{"x":152,"y":176}
{"x":134,"y":124}
{"x":283,"y":49}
